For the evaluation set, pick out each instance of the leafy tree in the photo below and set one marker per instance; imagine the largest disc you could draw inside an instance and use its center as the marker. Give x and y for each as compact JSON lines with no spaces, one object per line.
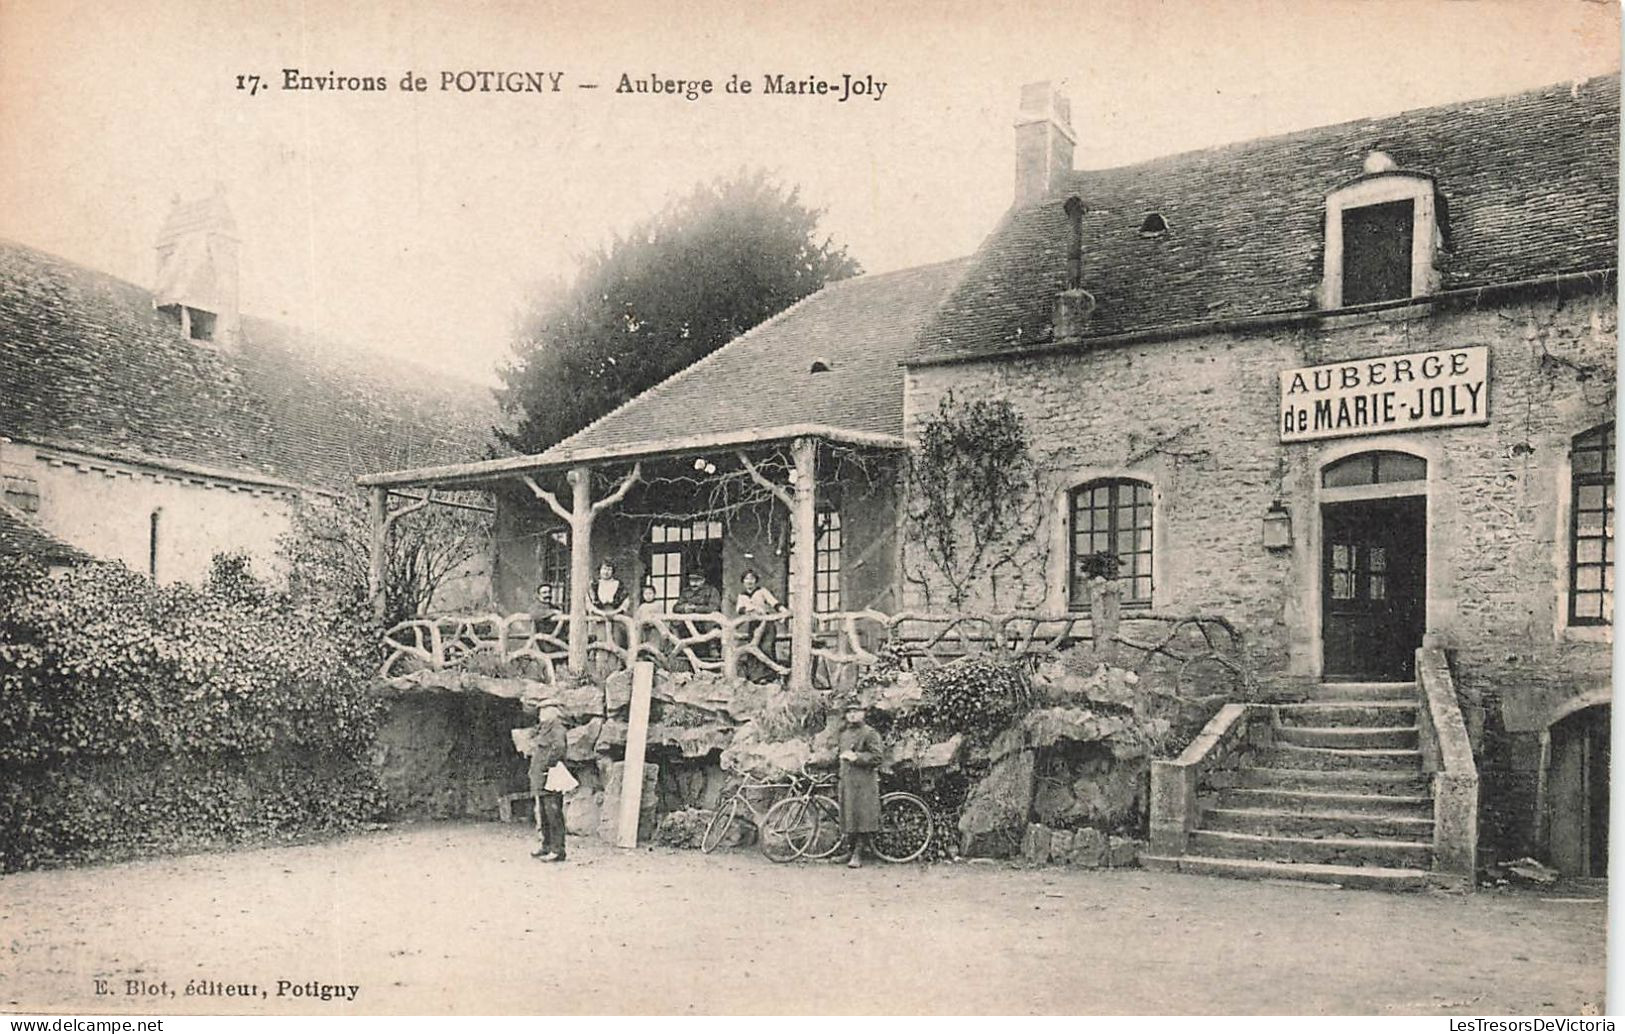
{"x":681,"y":284}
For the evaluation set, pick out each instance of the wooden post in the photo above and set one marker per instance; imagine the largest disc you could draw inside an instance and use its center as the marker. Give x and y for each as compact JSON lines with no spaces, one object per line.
{"x":583,"y":511}
{"x":637,"y":735}
{"x":804,"y":451}
{"x":580,"y":564}
{"x":378,"y":500}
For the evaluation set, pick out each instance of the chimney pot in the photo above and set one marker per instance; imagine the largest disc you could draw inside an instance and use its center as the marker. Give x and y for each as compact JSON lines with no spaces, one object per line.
{"x":1044,"y":142}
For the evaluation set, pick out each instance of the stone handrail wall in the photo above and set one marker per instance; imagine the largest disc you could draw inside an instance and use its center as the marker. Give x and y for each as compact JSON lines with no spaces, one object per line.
{"x":1447,"y":754}
{"x":1222,"y":746}
{"x":845,"y":644}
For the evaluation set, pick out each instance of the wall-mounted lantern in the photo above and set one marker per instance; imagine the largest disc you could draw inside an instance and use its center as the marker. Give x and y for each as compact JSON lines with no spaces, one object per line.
{"x":1277,"y":526}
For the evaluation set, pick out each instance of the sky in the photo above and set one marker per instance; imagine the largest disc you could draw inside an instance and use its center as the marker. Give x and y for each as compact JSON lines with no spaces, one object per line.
{"x":414,"y":224}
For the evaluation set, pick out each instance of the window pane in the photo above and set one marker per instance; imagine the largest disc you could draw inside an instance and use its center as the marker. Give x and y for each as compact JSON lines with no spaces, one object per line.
{"x":1588,"y":606}
{"x":1590,"y":497}
{"x":1377,"y":252}
{"x":1587,"y":461}
{"x":1377,"y":558}
{"x":1340,"y":558}
{"x":1588,"y":578}
{"x":1401,"y":466}
{"x":1341,"y":586}
{"x":1588,"y":551}
{"x":1356,"y":470}
{"x":1378,"y":587}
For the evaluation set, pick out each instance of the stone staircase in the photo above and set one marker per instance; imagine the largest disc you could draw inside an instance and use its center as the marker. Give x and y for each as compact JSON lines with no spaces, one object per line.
{"x":1339,"y":795}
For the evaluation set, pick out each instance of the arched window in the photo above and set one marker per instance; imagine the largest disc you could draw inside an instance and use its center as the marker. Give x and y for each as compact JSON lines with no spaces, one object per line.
{"x":1374,"y":468}
{"x":1591,"y":528}
{"x":1112,"y":516}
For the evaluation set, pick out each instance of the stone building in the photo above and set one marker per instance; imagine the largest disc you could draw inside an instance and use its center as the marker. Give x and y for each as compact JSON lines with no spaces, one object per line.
{"x":1350,"y":389}
{"x":160,"y":426}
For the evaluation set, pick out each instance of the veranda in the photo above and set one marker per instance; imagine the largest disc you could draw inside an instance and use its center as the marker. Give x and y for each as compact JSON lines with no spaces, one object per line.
{"x":813,"y":512}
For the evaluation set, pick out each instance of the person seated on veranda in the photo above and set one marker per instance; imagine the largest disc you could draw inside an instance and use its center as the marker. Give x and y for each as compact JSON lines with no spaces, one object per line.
{"x":545,"y":615}
{"x":652,"y":633}
{"x":755,"y":598}
{"x":699,"y":597}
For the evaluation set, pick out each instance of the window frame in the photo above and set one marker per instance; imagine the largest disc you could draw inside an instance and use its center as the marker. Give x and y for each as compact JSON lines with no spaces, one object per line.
{"x":1382,"y":188}
{"x":553,"y":564}
{"x":671,"y":539}
{"x":1078,"y":597}
{"x":827,"y":561}
{"x":1602,"y":478}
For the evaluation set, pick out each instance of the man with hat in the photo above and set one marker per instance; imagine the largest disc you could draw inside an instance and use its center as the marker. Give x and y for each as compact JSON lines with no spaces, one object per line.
{"x":861,"y":753}
{"x":549,"y":745}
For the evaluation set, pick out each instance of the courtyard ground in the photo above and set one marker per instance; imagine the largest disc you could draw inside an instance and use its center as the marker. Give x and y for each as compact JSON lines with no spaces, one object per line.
{"x":458,"y":918}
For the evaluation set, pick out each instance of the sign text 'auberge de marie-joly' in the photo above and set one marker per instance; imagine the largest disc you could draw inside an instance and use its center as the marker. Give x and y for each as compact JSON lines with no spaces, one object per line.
{"x":1449,"y":388}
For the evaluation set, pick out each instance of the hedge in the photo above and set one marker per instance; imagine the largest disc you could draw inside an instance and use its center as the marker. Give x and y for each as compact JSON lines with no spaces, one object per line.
{"x":137,"y":718}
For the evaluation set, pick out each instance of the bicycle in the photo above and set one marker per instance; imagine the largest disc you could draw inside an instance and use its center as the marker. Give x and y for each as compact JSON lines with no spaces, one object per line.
{"x":776,"y":839}
{"x":809,"y":824}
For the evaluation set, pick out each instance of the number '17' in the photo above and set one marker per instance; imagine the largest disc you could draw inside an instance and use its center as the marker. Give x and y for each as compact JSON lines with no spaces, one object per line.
{"x":251,"y":83}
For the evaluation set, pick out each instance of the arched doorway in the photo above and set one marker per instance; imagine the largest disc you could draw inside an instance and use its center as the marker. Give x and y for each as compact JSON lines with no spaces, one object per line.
{"x":1577,"y":793}
{"x":1373,"y":588}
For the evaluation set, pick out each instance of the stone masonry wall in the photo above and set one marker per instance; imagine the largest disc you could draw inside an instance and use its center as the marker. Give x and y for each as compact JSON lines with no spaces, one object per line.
{"x":1197,"y":418}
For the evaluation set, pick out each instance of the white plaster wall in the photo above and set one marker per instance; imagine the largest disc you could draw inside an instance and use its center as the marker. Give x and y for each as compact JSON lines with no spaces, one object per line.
{"x":108,"y":512}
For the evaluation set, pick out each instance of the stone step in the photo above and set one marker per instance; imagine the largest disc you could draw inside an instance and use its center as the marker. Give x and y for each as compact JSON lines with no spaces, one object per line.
{"x":1344,"y":737}
{"x":1290,"y":755}
{"x":1318,"y":824}
{"x":1348,"y":712}
{"x":1397,"y":781}
{"x":1328,"y":692}
{"x":1321,"y":850}
{"x":1373,"y":803}
{"x":1367,"y":877}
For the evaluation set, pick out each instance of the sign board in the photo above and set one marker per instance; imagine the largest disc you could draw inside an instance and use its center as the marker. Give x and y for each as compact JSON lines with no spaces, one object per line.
{"x":1450,"y":388}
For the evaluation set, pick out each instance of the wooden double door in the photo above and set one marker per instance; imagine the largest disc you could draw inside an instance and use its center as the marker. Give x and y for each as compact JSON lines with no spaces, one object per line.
{"x":1373,"y":588}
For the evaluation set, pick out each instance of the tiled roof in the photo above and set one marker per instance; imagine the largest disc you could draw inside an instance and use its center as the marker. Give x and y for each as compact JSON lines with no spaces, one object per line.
{"x":20,"y":536}
{"x":859,"y":328}
{"x":85,"y":360}
{"x":1531,"y":182}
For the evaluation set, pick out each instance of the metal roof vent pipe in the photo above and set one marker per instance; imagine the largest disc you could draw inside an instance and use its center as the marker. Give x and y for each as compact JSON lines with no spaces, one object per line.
{"x":1074,"y":305}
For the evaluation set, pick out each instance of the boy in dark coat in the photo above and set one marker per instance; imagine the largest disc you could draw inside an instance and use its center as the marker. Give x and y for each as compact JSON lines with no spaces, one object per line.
{"x":861,"y":753}
{"x":550,"y":743}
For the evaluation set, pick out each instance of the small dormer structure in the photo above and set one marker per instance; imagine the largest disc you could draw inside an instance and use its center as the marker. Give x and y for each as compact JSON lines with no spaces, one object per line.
{"x":1383,"y":231}
{"x":197,"y":277}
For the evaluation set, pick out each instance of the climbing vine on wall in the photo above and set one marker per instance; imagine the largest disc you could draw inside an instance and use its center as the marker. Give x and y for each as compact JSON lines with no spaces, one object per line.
{"x":972,"y":502}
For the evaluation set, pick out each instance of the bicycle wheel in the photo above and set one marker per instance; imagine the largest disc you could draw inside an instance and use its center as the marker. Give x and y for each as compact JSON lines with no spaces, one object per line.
{"x":789,"y":828}
{"x":905,"y":827}
{"x":827,"y":840}
{"x":717,"y":830}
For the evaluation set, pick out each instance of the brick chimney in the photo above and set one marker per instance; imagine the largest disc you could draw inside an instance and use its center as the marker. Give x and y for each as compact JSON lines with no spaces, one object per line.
{"x":196,"y":285}
{"x":1044,"y":142}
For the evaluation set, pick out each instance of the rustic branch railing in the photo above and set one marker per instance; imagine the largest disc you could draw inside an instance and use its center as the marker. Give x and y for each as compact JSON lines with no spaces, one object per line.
{"x":845,"y":643}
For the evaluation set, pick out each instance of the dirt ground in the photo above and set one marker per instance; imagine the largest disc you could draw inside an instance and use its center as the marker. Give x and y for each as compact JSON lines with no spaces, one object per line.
{"x":458,"y":918}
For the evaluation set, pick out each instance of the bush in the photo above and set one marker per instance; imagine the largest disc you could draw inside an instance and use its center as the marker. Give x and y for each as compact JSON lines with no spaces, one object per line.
{"x":979,"y":695}
{"x":135,"y":717}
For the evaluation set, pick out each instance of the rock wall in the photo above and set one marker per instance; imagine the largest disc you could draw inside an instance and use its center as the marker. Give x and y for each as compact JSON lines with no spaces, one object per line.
{"x":449,"y":755}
